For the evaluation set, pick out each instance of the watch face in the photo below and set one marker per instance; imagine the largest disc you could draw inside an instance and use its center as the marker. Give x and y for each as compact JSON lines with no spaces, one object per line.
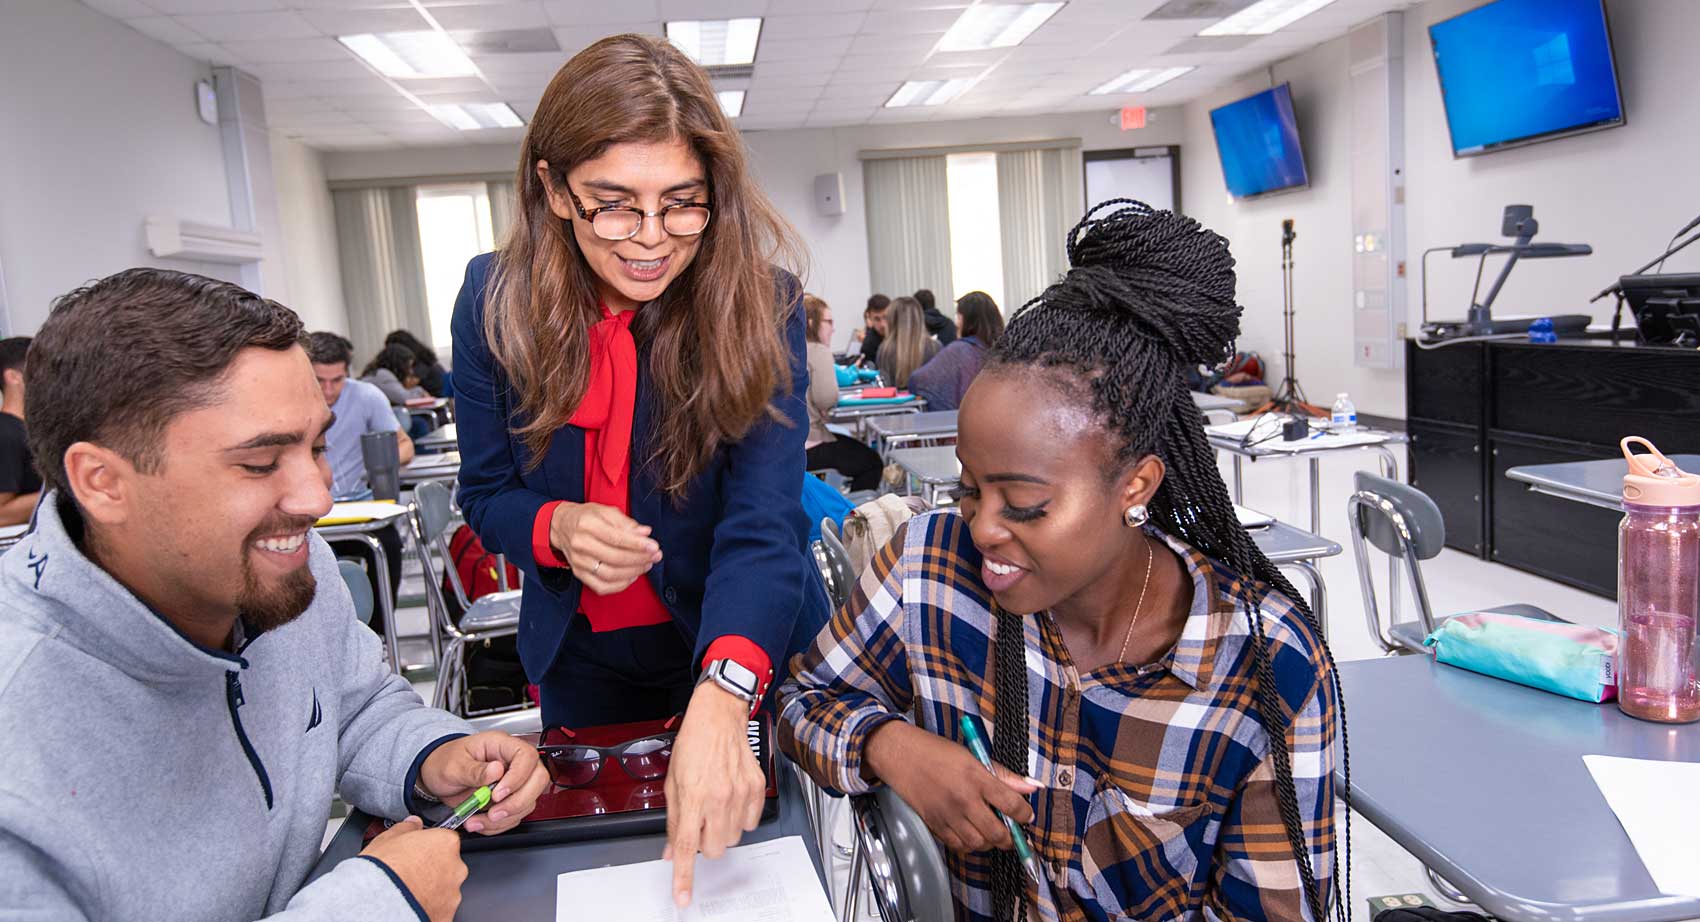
{"x":739,"y":675}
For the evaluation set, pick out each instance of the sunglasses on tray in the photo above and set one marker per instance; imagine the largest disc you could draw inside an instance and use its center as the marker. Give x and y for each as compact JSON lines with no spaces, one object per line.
{"x":576,"y":765}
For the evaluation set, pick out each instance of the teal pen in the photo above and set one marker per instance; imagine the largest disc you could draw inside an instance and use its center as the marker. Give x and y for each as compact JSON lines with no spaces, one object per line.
{"x":478,"y":801}
{"x":1024,"y":851}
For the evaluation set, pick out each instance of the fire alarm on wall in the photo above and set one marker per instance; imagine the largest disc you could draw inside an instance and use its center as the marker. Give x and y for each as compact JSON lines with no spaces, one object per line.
{"x":206,"y":101}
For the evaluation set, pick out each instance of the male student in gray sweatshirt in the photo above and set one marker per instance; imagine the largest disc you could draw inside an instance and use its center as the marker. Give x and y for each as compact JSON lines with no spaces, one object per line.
{"x":183,"y":683}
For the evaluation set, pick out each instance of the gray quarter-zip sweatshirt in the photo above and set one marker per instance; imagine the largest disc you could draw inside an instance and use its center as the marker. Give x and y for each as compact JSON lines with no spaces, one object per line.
{"x":145,"y":777}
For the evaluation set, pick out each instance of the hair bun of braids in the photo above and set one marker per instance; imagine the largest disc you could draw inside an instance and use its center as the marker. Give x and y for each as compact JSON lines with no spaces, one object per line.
{"x":1175,"y":277}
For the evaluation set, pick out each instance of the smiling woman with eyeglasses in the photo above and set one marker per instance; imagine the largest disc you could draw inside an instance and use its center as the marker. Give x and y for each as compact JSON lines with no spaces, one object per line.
{"x":629,"y":380}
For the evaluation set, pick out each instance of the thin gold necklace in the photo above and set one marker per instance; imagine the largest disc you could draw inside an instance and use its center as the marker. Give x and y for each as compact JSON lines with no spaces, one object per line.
{"x":1151,"y":555}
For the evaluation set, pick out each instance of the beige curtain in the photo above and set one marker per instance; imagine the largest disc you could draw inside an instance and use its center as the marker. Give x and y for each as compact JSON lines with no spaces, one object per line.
{"x":908,"y":227}
{"x":501,"y":209}
{"x":383,"y":274}
{"x":1038,"y":202}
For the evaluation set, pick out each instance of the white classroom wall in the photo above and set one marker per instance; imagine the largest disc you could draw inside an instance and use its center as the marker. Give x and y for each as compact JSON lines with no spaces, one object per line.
{"x":312,"y":269}
{"x":100,"y":132}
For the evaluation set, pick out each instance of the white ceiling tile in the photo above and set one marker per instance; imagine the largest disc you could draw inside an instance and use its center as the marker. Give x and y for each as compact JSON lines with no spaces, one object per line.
{"x":370,"y":105}
{"x":543,"y":63}
{"x":276,"y":107}
{"x":334,"y":89}
{"x":289,"y":50}
{"x":816,"y":49}
{"x":356,"y":22}
{"x":808,"y":28}
{"x":916,"y":45}
{"x":212,"y":54}
{"x":121,"y":9}
{"x":921,"y":4}
{"x":290,"y":71}
{"x":800,"y":7}
{"x":250,"y":26}
{"x":399,"y":119}
{"x":165,"y":29}
{"x":908,"y":22}
{"x":180,"y":7}
{"x":345,"y":4}
{"x":822,"y":65}
{"x":496,"y":16}
{"x":574,"y":40}
{"x":817,"y":79}
{"x":1103,"y":12}
{"x":712,"y":9}
{"x":312,"y":121}
{"x":787,"y":97}
{"x":600,"y":12}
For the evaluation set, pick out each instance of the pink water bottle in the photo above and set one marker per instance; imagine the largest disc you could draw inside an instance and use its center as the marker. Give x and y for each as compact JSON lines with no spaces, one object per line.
{"x":1658,"y":589}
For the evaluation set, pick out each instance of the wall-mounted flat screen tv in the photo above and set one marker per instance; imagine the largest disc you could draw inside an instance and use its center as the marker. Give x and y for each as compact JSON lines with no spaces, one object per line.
{"x":1258,"y":141}
{"x":1515,"y":72}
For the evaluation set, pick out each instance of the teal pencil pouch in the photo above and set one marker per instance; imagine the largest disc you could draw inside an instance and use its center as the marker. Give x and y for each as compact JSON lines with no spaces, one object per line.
{"x":1565,"y":659}
{"x":846,"y":375}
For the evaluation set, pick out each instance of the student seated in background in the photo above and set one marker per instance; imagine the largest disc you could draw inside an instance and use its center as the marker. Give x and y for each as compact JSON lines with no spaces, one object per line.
{"x":872,"y":333}
{"x":360,"y":408}
{"x":186,"y":685}
{"x":391,"y":371}
{"x":426,"y":368}
{"x":1153,"y":689}
{"x":907,"y":345}
{"x":937,"y":324}
{"x":20,"y":486}
{"x":856,"y":461}
{"x":945,"y":378}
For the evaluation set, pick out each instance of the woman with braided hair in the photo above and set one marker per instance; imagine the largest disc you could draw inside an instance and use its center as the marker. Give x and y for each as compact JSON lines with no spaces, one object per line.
{"x":1162,"y":708}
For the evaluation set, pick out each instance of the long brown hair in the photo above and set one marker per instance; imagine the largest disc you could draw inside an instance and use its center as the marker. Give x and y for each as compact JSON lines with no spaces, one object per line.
{"x":814,"y":311}
{"x":906,"y":339}
{"x":716,"y":351}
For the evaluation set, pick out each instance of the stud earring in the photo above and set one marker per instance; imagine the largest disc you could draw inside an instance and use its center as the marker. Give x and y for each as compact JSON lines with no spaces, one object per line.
{"x":1136,"y":515}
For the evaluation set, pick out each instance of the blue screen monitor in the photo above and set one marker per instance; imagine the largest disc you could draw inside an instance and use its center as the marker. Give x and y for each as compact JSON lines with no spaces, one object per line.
{"x":1258,"y":141}
{"x":1515,"y":72}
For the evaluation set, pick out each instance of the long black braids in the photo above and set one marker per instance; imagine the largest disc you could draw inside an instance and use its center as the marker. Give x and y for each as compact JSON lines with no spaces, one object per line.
{"x":1150,"y":294}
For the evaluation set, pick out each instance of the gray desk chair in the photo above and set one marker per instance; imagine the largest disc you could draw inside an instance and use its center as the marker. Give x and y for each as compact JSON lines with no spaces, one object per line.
{"x":893,"y":850}
{"x":484,"y":618}
{"x":359,"y":587}
{"x":1403,"y":523}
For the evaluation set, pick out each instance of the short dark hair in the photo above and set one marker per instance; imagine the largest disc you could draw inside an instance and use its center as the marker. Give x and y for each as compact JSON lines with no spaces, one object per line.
{"x":981,"y":318}
{"x":325,"y":348}
{"x":119,"y":359}
{"x":12,"y":352}
{"x":877,"y":305}
{"x":422,"y":353}
{"x":396,"y":359}
{"x":928,"y":302}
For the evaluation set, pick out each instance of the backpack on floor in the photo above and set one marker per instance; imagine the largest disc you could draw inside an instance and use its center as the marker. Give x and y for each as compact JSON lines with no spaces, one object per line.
{"x":476,"y":568}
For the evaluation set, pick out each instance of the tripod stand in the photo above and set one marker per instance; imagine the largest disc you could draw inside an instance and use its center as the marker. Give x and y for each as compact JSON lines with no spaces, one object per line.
{"x":1289,"y":397}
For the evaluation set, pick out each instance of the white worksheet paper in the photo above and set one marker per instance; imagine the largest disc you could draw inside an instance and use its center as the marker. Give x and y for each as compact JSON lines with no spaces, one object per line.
{"x":766,"y":882}
{"x":1656,"y":803}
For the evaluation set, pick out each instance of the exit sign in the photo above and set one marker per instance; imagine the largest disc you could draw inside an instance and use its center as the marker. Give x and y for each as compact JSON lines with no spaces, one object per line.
{"x":1133,"y":117}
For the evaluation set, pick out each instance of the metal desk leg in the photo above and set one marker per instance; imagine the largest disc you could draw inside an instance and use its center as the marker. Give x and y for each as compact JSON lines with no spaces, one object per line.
{"x":1315,"y":495}
{"x":386,"y":601}
{"x":1318,"y":591}
{"x":1239,"y":480}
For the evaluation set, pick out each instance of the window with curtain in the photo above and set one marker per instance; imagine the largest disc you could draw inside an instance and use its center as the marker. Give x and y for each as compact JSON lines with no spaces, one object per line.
{"x":455,"y":224}
{"x":958,"y":221}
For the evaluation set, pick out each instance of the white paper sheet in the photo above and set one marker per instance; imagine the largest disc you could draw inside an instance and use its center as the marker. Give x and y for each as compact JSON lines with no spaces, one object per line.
{"x":1656,"y":803}
{"x":766,"y":882}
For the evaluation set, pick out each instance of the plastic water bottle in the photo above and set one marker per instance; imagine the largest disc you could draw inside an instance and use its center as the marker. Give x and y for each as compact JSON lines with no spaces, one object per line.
{"x":1345,"y":414}
{"x":1658,"y":589}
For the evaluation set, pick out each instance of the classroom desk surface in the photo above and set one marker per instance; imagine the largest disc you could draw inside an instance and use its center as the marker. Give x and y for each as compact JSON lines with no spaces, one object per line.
{"x":932,"y":423}
{"x":1483,"y":781}
{"x":441,"y":466}
{"x":443,"y":438}
{"x":1596,"y":483}
{"x":503,"y":885}
{"x":1311,"y":451}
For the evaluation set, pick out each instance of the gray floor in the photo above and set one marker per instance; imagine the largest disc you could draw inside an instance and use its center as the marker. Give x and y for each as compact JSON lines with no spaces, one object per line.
{"x":1456,"y":582}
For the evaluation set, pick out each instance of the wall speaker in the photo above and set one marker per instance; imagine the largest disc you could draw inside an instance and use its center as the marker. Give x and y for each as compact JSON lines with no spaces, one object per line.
{"x":829,"y":194}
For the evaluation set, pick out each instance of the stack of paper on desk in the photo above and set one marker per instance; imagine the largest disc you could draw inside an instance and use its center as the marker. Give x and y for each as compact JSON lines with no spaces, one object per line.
{"x":1657,"y":805}
{"x":767,"y":882}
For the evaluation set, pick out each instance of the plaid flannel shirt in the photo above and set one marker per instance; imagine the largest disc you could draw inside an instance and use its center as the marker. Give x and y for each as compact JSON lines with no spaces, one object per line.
{"x":1159,"y":797}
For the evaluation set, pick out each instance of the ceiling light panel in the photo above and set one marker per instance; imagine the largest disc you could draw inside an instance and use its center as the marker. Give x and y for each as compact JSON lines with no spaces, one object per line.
{"x":1265,"y":17}
{"x":996,"y":25}
{"x":411,"y":55}
{"x":927,"y":92}
{"x":1140,"y":80}
{"x":476,"y":116}
{"x":717,"y":42}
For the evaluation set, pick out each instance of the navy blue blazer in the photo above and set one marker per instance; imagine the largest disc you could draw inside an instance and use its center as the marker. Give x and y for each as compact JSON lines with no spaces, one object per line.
{"x":735,"y":559}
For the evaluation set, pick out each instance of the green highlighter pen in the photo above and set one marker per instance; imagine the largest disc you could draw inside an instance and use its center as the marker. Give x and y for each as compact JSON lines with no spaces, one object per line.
{"x":478,"y":801}
{"x":1024,"y":851}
